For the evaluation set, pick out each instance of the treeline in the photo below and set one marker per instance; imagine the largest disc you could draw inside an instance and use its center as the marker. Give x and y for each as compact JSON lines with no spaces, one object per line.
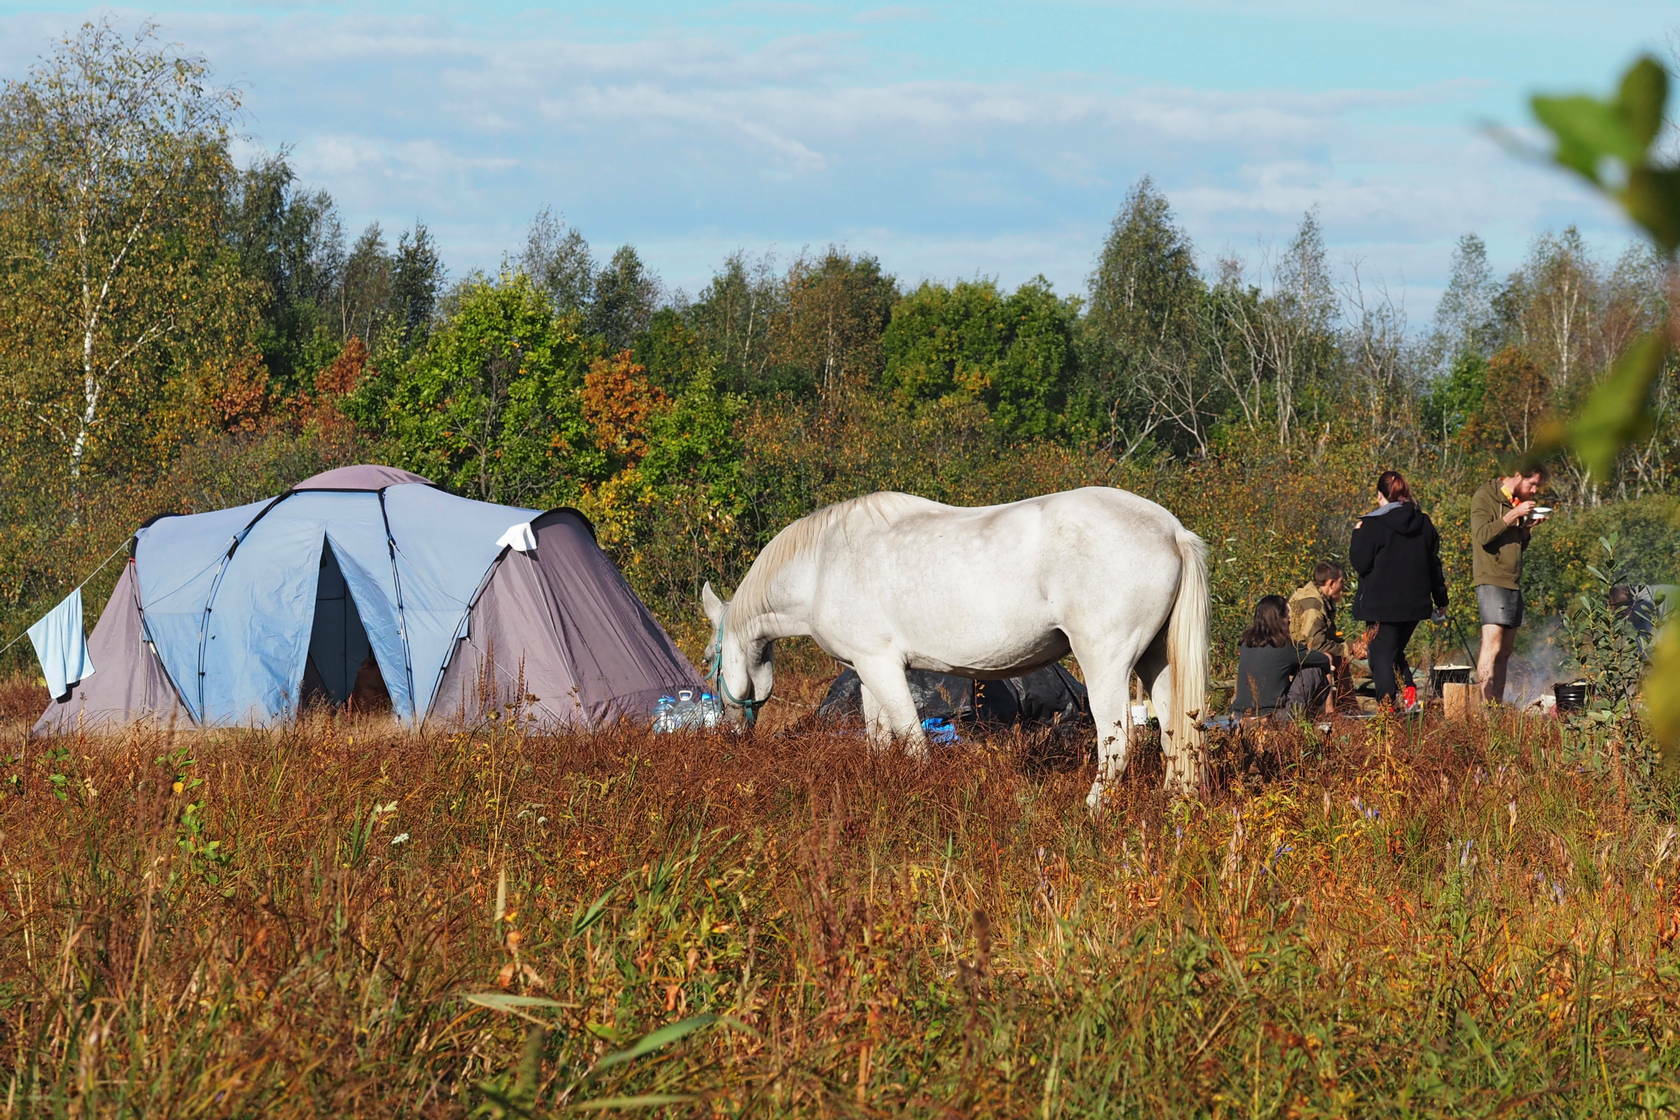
{"x":180,"y":332}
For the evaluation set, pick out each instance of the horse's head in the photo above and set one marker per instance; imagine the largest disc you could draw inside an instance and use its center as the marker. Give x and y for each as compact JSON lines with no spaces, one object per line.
{"x":740,"y":667}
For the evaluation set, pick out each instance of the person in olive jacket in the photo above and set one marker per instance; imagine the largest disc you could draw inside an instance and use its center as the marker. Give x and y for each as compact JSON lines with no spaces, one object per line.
{"x":1397,"y":553}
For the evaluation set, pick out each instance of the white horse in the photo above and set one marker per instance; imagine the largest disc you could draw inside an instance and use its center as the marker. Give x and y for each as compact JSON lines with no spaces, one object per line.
{"x":890,"y":582}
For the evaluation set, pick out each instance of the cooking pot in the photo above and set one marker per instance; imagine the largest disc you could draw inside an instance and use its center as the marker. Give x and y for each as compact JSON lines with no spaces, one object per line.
{"x":1447,"y":674}
{"x":1571,"y":697}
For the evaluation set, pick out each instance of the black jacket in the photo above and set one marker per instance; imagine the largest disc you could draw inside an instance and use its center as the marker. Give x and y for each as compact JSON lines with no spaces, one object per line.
{"x":1397,"y":554}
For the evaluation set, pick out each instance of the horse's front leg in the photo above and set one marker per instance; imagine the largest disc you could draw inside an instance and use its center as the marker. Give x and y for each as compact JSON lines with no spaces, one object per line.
{"x":889,"y":711}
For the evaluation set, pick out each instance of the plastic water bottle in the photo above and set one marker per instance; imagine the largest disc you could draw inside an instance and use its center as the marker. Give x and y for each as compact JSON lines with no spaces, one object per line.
{"x":663,"y":710}
{"x":711,"y":710}
{"x":685,"y":713}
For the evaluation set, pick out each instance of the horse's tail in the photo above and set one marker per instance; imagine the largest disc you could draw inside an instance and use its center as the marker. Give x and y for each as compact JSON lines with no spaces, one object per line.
{"x":1187,"y":660}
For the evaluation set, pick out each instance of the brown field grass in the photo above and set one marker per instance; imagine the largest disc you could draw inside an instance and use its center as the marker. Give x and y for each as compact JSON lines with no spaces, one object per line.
{"x":342,"y":919}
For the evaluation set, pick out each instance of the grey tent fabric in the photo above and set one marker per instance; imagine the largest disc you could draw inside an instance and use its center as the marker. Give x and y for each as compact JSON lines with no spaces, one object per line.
{"x":130,"y":684}
{"x":557,"y":633}
{"x":363,"y":476}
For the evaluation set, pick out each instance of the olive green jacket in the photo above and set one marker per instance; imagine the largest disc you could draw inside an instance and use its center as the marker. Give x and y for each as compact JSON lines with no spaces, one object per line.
{"x":1312,"y":621}
{"x":1496,"y":549}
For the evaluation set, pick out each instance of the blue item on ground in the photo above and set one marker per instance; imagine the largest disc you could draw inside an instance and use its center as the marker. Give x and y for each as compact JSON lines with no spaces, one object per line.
{"x":939,"y":731}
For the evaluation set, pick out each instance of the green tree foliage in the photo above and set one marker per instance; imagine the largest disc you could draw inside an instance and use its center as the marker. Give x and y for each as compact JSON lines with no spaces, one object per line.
{"x":488,"y":406}
{"x":291,"y":244}
{"x":416,"y":283}
{"x":1465,"y":319}
{"x":557,"y":259}
{"x":733,"y":317}
{"x":1455,"y":398}
{"x":362,"y":300}
{"x":1303,"y":335}
{"x":119,"y":302}
{"x":828,"y":331}
{"x":1015,"y":354}
{"x":1145,"y":380}
{"x":623,"y":300}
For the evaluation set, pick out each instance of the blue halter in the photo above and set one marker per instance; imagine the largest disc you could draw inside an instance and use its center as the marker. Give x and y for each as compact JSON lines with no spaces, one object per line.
{"x":715,"y":675}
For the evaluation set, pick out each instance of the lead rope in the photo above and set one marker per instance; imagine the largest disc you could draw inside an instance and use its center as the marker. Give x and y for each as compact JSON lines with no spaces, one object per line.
{"x":715,"y":675}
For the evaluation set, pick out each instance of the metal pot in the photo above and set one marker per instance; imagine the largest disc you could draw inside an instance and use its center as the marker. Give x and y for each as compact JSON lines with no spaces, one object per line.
{"x":1447,"y":674}
{"x":1571,"y":697}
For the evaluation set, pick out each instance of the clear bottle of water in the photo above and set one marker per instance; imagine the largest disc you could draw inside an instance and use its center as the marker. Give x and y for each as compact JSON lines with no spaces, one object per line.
{"x":711,"y":710}
{"x":663,"y":710}
{"x":685,"y":713}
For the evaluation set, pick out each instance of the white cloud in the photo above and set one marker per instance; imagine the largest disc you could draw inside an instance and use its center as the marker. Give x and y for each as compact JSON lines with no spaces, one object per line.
{"x":692,"y":144}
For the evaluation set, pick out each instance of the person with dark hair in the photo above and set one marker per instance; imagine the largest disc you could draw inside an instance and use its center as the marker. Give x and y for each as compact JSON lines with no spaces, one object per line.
{"x":1273,"y":673}
{"x":1397,"y":552}
{"x":1502,"y":515}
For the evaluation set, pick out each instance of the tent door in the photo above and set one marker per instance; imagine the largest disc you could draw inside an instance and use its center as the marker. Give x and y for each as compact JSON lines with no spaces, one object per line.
{"x":338,"y":643}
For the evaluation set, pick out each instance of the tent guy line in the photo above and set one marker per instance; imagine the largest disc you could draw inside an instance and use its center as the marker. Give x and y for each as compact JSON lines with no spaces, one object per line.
{"x":85,"y":581}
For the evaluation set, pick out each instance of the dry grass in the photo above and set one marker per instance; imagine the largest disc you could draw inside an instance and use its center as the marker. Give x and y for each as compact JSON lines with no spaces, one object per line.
{"x":1397,"y":918}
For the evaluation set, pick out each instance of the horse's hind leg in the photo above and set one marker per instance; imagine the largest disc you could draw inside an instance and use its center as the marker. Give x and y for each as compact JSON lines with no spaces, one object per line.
{"x":1156,"y":674}
{"x":1108,"y":679}
{"x":889,"y":710}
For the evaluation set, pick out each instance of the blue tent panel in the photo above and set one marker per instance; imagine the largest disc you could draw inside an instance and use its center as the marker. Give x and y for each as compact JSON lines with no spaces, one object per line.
{"x":257,"y":629}
{"x":178,"y":561}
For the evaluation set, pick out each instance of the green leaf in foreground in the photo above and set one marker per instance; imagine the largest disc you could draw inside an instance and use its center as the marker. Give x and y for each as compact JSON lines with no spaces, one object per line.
{"x":521,"y":1006}
{"x":1587,"y":131}
{"x":1662,"y":693}
{"x":1652,"y":198}
{"x":1618,"y":411}
{"x":645,"y":1100}
{"x":1640,"y":99}
{"x":653,"y":1040}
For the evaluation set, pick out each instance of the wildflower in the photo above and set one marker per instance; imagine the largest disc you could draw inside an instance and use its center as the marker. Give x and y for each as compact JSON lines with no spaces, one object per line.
{"x":178,"y":787}
{"x":399,"y":838}
{"x":1278,"y":853}
{"x":1464,"y":852}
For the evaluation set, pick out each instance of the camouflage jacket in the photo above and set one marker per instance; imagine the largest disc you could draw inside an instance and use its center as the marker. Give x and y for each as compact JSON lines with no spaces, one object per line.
{"x":1312,"y":621}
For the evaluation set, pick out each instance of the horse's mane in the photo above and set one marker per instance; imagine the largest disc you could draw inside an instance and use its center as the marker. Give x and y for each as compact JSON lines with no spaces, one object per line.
{"x":752,"y":596}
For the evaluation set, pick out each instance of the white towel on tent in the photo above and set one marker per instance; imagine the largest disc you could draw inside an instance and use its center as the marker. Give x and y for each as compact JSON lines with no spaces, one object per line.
{"x":519,"y":537}
{"x":61,"y":647}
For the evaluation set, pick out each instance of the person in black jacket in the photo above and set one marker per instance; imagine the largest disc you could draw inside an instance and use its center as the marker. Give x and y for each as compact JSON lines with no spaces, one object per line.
{"x":1397,"y":553}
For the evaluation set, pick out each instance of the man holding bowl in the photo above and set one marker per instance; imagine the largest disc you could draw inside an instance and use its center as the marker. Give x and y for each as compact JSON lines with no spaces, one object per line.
{"x":1502,"y":515}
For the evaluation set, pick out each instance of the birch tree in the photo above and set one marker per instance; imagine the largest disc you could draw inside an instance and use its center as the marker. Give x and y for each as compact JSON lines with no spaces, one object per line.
{"x":113,"y":167}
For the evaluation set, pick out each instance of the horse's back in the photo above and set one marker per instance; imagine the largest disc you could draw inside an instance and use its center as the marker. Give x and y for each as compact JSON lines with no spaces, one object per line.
{"x":1048,"y":554}
{"x":1090,"y":519}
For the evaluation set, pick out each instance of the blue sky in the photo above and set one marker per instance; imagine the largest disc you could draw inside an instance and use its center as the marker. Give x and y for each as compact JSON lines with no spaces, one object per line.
{"x":951,"y":140}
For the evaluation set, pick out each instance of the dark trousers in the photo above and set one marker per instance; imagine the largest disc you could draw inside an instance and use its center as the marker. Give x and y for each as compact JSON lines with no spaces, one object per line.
{"x":1388,"y":658}
{"x":1307,"y":692}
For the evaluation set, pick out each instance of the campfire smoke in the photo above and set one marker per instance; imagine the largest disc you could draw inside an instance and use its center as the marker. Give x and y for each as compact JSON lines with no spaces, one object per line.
{"x":1539,"y":662}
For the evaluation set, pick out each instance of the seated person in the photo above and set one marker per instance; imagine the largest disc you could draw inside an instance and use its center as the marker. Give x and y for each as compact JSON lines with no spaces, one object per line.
{"x":1643,"y":607}
{"x":1312,"y":623}
{"x":1273,"y":673}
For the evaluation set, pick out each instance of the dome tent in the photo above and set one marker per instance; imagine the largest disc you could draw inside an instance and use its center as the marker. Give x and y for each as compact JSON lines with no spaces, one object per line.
{"x":463,"y":606}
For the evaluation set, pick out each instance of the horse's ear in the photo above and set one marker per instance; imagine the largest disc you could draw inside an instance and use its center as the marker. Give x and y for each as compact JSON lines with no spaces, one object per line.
{"x":712,"y":605}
